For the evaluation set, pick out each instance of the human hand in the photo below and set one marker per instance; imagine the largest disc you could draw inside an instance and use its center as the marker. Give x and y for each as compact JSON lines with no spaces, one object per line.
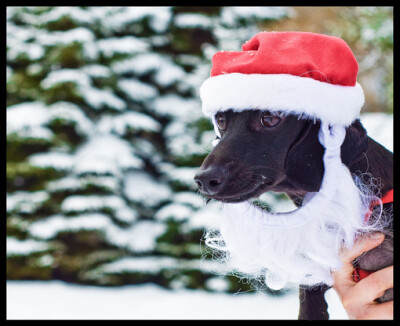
{"x":358,"y":298}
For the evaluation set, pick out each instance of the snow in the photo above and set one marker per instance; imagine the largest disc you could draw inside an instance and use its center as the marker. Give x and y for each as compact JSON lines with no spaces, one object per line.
{"x":26,"y":202}
{"x":133,"y":121}
{"x":230,"y":15}
{"x":183,"y":175}
{"x":105,"y":154}
{"x":57,"y":160}
{"x":175,"y":211}
{"x":208,"y":217}
{"x":165,"y":71}
{"x":121,"y":45}
{"x":50,"y":227}
{"x":217,"y":284}
{"x":30,"y":119}
{"x":148,"y":264}
{"x":190,"y":198}
{"x":18,"y":43}
{"x":71,"y":112}
{"x":87,"y":203}
{"x":97,"y":71}
{"x":137,"y":90}
{"x":181,"y":139}
{"x":66,"y":76}
{"x":75,"y":183}
{"x":97,"y":98}
{"x":25,"y":247}
{"x":78,"y":35}
{"x":75,"y":13}
{"x":140,"y":187}
{"x":27,"y":119}
{"x":9,"y":72}
{"x":176,"y":106}
{"x":122,"y":16}
{"x":167,"y":74}
{"x":193,"y":21}
{"x":154,"y":264}
{"x":379,"y":126}
{"x":140,"y":63}
{"x":58,"y":300}
{"x":140,"y":237}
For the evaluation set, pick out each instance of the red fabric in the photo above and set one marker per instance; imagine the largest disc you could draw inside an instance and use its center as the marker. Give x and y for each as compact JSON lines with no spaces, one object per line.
{"x":387,"y":198}
{"x":358,"y":273}
{"x":321,"y":57}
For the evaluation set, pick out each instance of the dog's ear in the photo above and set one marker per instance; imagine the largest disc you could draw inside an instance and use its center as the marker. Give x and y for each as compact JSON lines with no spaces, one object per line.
{"x":304,"y":161}
{"x":304,"y":165}
{"x":355,"y":143}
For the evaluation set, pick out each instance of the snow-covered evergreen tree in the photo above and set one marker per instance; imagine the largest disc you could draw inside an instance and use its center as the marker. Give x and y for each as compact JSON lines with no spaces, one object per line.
{"x":104,"y":135}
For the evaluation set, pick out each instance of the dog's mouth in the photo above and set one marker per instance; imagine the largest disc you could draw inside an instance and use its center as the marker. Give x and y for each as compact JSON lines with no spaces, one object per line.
{"x":251,"y":195}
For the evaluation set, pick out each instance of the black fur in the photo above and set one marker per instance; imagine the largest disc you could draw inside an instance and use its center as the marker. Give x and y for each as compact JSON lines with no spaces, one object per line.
{"x":251,"y":159}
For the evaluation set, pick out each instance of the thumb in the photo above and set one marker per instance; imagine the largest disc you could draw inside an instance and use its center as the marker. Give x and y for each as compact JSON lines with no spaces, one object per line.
{"x":361,"y":245}
{"x":343,"y":277}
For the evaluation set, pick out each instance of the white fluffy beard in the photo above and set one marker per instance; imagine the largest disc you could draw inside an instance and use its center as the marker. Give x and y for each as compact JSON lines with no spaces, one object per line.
{"x":302,"y":246}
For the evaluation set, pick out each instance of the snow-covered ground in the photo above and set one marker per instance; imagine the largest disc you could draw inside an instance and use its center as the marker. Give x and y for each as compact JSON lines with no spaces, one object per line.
{"x":58,"y":300}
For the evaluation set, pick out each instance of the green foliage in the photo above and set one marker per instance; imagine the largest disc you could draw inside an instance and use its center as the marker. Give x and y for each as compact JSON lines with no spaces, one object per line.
{"x":104,"y":132}
{"x":369,"y":31}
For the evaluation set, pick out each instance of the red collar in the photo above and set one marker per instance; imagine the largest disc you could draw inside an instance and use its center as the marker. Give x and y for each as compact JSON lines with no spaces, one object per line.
{"x":358,"y":273}
{"x":387,"y":198}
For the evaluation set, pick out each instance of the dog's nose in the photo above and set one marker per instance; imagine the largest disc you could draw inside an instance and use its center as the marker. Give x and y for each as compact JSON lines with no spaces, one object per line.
{"x":210,"y":180}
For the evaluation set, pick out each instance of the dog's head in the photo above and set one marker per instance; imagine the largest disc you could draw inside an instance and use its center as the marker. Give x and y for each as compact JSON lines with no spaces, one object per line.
{"x":262,"y":151}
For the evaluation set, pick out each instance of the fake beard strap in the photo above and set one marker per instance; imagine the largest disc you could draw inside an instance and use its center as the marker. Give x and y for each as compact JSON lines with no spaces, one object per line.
{"x":301,"y":246}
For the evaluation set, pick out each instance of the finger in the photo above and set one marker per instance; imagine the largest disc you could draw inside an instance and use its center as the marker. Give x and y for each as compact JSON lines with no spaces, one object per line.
{"x":375,"y":284}
{"x":362,"y":245}
{"x":368,"y":289}
{"x":343,"y":278}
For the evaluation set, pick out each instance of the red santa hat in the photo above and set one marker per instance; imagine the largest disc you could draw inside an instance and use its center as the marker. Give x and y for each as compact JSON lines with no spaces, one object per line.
{"x":301,"y":73}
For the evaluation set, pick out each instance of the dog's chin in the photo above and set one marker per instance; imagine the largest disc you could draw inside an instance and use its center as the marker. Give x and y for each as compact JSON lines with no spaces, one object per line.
{"x":240,"y":197}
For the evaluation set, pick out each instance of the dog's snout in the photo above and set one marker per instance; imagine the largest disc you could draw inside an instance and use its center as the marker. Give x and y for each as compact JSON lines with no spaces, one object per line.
{"x":210,"y":180}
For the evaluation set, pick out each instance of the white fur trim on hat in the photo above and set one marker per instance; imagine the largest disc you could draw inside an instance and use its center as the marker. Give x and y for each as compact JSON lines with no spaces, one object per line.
{"x":289,"y":94}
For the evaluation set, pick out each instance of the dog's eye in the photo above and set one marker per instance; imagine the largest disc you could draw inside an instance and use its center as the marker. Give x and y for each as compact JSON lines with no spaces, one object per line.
{"x":269,"y":119}
{"x":221,"y":122}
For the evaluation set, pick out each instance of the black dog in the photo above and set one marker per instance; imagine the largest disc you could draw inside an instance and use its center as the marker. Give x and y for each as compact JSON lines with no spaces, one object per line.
{"x":260,"y":151}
